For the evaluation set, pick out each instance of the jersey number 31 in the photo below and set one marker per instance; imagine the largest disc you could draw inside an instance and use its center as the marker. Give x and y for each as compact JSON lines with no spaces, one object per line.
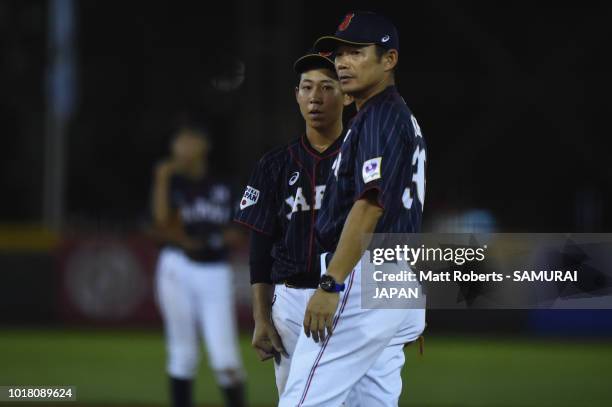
{"x":418,"y":178}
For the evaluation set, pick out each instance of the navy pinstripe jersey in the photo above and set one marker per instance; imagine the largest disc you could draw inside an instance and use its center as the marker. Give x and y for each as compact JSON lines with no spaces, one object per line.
{"x":383,"y":150}
{"x":205,"y":207}
{"x":282,"y":199}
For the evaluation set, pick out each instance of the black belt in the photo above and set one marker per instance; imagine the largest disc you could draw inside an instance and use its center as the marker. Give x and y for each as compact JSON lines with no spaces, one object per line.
{"x":307,"y":280}
{"x":301,"y":281}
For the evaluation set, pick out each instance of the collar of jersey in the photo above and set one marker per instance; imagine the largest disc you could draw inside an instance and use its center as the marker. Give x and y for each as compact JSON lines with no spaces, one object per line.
{"x":389,"y":89}
{"x":329,"y":151}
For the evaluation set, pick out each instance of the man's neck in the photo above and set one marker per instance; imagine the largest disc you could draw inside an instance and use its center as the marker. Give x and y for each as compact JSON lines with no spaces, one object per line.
{"x":321,"y":139}
{"x":369,"y":93}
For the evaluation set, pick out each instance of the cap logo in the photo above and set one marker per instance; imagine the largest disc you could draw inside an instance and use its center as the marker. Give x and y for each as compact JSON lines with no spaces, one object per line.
{"x":345,"y":23}
{"x":325,"y":54}
{"x":385,"y":38}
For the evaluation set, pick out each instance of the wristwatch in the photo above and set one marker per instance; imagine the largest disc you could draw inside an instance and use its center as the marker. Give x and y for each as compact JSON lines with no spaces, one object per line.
{"x":328,"y":283}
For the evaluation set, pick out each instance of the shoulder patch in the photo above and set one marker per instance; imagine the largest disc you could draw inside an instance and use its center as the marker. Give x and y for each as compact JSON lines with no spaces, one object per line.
{"x":371,"y":169}
{"x":250,"y":197}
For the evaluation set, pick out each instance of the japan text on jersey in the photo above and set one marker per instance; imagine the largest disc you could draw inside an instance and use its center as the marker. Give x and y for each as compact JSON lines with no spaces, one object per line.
{"x":383,"y":150}
{"x":282,"y":200}
{"x":205,"y":209}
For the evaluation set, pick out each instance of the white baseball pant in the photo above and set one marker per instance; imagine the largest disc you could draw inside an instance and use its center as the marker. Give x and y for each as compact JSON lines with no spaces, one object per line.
{"x":197,"y":299}
{"x":360,"y":364}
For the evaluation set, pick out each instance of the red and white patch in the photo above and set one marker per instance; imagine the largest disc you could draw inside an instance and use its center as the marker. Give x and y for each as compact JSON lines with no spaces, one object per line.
{"x":345,"y":23}
{"x":250,"y":197}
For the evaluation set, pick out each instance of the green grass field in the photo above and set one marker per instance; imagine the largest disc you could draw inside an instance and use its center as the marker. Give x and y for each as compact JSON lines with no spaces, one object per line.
{"x":127,"y":368}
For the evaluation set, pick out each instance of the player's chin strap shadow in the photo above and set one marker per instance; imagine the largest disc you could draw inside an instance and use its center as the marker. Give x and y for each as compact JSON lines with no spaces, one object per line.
{"x":421,"y":341}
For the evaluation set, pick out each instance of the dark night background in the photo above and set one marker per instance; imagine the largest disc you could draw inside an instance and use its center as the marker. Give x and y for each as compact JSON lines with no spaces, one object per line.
{"x":512,"y":98}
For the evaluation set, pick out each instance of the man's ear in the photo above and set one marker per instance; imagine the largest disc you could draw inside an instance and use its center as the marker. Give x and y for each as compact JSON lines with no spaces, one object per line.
{"x":348,"y":99}
{"x":297,"y":90}
{"x":391,"y":58}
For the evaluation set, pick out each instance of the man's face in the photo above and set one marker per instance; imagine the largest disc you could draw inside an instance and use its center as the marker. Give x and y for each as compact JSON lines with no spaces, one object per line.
{"x":188,"y":149}
{"x":359,"y":68}
{"x":320,"y":98}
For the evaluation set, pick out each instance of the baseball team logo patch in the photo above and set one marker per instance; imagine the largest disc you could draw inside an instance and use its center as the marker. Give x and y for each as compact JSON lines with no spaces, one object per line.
{"x":345,"y":23}
{"x":250,"y":197}
{"x":371,"y":169}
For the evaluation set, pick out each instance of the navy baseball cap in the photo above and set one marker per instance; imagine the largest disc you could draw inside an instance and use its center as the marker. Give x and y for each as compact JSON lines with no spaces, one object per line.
{"x":361,"y":28}
{"x":314,"y":60}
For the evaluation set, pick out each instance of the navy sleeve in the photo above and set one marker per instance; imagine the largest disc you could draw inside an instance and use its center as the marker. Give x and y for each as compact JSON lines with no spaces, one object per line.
{"x":257,"y":208}
{"x":381,"y":158}
{"x":260,"y":258}
{"x":391,"y":160}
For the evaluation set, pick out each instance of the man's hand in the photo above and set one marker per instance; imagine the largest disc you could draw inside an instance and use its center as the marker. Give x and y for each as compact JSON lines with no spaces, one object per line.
{"x":320,"y":314}
{"x":266,"y":341}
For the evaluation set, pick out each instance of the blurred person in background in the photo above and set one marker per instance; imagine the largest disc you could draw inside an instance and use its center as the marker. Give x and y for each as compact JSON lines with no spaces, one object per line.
{"x":191,"y":211}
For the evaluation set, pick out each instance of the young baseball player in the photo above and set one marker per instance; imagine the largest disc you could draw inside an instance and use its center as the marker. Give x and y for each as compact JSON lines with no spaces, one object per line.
{"x":280,"y":205}
{"x":378,"y":186}
{"x":192,"y":210}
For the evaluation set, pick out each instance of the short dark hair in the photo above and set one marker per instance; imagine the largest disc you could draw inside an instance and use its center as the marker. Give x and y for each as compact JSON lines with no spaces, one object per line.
{"x":380,"y":51}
